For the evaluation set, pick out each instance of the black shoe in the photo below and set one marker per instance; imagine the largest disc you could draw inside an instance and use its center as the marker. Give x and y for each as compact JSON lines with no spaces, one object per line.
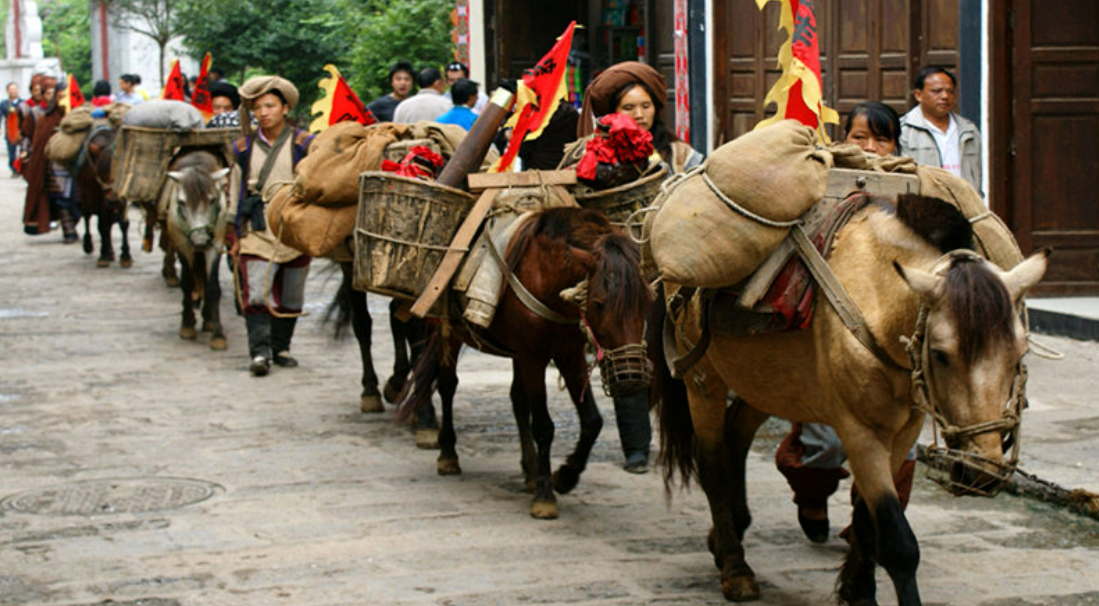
{"x":284,"y":360}
{"x":637,"y":463}
{"x":259,"y":366}
{"x":70,"y":238}
{"x":815,"y":530}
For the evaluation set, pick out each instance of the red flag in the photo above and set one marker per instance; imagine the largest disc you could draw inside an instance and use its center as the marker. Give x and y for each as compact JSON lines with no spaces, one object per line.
{"x":76,"y":98}
{"x":339,"y":103}
{"x":539,"y":93}
{"x":200,"y":96}
{"x":797,"y":93}
{"x":173,"y":88}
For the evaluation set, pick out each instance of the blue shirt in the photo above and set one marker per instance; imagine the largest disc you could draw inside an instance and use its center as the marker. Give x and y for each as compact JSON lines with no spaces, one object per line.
{"x":460,"y":115}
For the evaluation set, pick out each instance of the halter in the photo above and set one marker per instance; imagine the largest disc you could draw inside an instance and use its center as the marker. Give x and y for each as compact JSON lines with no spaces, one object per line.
{"x":944,"y":460}
{"x":623,"y":370}
{"x":211,"y":225}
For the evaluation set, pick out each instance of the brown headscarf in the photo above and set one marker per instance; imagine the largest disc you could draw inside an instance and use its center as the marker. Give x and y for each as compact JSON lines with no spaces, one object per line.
{"x":599,"y":98}
{"x":259,"y":86}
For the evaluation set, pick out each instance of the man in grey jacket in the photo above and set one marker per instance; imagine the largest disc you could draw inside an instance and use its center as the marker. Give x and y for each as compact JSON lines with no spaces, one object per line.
{"x":934,"y":135}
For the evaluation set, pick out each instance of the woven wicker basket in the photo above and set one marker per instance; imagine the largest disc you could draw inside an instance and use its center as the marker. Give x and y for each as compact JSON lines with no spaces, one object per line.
{"x":402,"y":232}
{"x":618,"y":203}
{"x":143,"y":154}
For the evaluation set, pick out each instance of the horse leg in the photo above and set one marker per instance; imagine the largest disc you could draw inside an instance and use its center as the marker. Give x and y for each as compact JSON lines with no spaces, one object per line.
{"x":717,"y":473}
{"x":574,"y":368}
{"x":881,"y":531}
{"x":211,"y":312}
{"x":532,"y":374}
{"x":741,"y":423}
{"x":447,"y":382}
{"x":124,"y":260}
{"x":427,"y":427}
{"x":187,"y":285}
{"x":89,"y":245}
{"x":106,"y":250}
{"x":168,"y":270}
{"x":401,"y":364}
{"x":528,"y":461}
{"x":362,"y":325}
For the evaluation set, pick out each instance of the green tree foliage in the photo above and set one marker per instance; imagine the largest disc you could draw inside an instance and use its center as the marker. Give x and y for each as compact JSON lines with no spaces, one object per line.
{"x":66,"y":34}
{"x":417,"y":31}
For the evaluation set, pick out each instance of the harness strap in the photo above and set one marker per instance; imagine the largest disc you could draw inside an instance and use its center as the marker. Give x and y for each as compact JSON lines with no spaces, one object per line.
{"x":837,"y":296}
{"x":681,"y":365}
{"x":531,"y":302}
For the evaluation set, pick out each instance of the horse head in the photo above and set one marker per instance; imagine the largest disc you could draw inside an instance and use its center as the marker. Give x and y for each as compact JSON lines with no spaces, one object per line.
{"x":968,"y":347}
{"x":200,"y":197}
{"x":614,"y":301}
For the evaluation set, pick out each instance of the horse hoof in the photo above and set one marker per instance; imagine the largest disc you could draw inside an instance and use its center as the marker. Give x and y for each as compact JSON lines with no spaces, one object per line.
{"x":126,"y":263}
{"x":448,"y":467}
{"x":371,"y":404}
{"x":428,"y":439}
{"x":392,"y":389}
{"x":543,"y":510}
{"x":219,"y":344}
{"x":740,"y":588}
{"x":565,"y":479}
{"x":171,"y":282}
{"x":188,"y":333}
{"x":89,"y":248}
{"x":102,"y":262}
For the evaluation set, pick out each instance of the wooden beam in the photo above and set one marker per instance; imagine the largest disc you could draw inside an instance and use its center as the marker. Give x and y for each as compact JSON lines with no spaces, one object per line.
{"x":530,"y":178}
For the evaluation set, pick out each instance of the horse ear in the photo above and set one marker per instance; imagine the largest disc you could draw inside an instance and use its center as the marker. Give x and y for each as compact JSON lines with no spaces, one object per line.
{"x":1025,"y":275}
{"x":585,"y":258}
{"x":175,"y":175}
{"x":926,"y":284}
{"x":218,"y":175}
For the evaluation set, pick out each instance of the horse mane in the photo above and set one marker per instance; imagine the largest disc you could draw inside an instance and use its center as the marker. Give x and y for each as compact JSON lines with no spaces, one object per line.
{"x":623,"y":282}
{"x":938,"y":222}
{"x":981,"y":307}
{"x":196,"y":168}
{"x":577,"y":227}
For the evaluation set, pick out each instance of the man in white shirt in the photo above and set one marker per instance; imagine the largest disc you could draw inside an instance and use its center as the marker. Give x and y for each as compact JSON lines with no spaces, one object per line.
{"x":427,"y":104}
{"x":934,"y":135}
{"x":457,"y":70}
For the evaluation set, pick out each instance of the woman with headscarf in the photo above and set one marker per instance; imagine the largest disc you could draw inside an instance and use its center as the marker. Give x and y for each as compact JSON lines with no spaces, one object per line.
{"x":637,"y":90}
{"x":51,"y":194}
{"x":271,"y":275}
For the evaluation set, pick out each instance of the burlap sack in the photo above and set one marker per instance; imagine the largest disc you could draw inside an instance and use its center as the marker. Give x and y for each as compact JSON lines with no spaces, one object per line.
{"x":78,"y":120}
{"x":329,"y":174}
{"x":777,"y":173}
{"x":63,"y":148}
{"x":313,"y":229}
{"x":994,"y":240}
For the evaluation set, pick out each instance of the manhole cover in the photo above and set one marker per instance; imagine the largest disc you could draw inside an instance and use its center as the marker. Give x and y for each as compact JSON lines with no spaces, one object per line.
{"x":99,"y":497}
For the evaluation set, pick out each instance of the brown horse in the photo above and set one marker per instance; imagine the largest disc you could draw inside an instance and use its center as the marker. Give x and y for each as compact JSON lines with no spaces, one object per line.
{"x":574,"y":279}
{"x":197,"y":197}
{"x":890,"y":261}
{"x":93,"y":178}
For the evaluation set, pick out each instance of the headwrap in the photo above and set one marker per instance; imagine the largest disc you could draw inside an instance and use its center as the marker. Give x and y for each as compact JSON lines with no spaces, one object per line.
{"x":259,"y":86}
{"x":599,"y":98}
{"x":224,"y":89}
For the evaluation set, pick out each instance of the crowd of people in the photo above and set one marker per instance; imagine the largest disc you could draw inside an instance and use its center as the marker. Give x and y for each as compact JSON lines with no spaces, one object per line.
{"x":811,"y":456}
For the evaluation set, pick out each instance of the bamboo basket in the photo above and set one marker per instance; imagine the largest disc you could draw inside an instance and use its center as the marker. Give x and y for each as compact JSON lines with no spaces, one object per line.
{"x":618,"y":203}
{"x":403,"y":230}
{"x":142,"y":156}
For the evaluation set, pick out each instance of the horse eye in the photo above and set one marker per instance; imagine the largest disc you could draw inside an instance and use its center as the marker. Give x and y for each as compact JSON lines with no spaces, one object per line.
{"x":598,"y":305}
{"x":940,"y":357}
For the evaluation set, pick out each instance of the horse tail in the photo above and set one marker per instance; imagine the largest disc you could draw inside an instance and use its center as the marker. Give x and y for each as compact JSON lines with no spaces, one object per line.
{"x":669,"y":397}
{"x":338,"y":310}
{"x":416,"y":394}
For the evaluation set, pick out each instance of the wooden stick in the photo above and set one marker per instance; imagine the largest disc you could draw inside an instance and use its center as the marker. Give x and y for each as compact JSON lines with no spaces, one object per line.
{"x":530,"y":178}
{"x":453,"y":258}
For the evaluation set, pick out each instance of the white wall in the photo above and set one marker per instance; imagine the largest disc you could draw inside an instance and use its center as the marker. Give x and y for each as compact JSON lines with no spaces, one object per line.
{"x":129,"y":52}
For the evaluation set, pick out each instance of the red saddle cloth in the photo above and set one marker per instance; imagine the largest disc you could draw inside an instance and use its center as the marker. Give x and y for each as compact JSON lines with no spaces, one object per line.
{"x":789,"y":302}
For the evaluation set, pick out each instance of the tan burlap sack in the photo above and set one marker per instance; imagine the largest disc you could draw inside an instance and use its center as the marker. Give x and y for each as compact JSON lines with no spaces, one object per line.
{"x":63,"y":148}
{"x":313,"y":229}
{"x":329,"y":174}
{"x":776,"y":173}
{"x":994,"y":240}
{"x":77,"y":121}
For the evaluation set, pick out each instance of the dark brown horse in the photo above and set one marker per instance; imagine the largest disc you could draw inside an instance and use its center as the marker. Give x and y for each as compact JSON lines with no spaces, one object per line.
{"x":93,"y":178}
{"x":575,"y":279}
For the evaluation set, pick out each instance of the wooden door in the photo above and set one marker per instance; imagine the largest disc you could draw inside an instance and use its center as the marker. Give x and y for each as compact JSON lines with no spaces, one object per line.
{"x":1050,"y":191}
{"x":870,"y":51}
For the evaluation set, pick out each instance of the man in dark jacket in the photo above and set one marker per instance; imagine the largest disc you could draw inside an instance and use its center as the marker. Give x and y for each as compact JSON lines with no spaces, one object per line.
{"x":9,"y":110}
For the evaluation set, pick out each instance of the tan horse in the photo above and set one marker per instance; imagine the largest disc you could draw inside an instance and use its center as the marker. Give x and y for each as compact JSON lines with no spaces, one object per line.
{"x":890,"y":261}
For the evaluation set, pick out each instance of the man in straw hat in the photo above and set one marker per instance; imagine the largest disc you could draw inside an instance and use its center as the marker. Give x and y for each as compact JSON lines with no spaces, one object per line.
{"x":271,"y":276}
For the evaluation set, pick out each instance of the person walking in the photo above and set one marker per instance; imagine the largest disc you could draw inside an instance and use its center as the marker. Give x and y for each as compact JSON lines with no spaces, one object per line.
{"x":934,"y":135}
{"x":457,"y":70}
{"x":464,"y":95}
{"x":401,"y":77}
{"x":429,"y":103}
{"x":9,"y":109}
{"x":51,"y":195}
{"x":271,"y":275}
{"x":127,"y":86}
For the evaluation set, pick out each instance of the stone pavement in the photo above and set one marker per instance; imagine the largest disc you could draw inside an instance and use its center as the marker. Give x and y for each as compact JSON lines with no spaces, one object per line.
{"x":136,"y":468}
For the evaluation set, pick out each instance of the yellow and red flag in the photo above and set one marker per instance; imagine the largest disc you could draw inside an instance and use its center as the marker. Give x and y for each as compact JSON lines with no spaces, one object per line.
{"x":798,"y":90}
{"x":339,"y":103}
{"x":173,"y":87}
{"x":200,"y":96}
{"x":538,"y":95}
{"x":71,"y":97}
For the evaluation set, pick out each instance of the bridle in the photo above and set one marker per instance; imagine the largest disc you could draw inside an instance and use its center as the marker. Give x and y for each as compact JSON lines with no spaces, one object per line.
{"x":944,"y":459}
{"x":210,"y":227}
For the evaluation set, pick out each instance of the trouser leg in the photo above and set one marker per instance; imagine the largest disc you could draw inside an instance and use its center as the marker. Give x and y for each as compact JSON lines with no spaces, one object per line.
{"x":634,"y":427}
{"x":282,"y":331}
{"x":259,"y":335}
